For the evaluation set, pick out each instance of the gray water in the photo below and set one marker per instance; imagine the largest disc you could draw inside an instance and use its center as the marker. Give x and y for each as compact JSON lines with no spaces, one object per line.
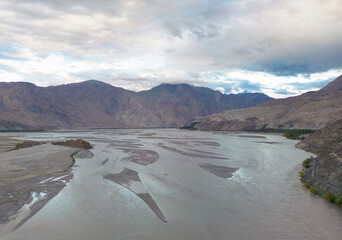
{"x":263,"y":200}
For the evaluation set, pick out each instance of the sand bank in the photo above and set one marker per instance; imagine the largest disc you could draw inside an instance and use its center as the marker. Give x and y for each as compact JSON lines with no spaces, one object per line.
{"x":220,"y":171}
{"x":130,"y":180}
{"x":29,"y":178}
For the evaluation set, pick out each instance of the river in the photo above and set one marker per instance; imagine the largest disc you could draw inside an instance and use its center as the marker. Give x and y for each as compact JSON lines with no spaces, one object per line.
{"x":206,"y":185}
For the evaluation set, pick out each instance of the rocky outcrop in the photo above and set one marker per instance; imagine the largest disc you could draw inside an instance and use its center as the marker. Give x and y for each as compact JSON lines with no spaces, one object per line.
{"x":27,"y":144}
{"x":312,"y":110}
{"x":217,"y":122}
{"x":79,"y":143}
{"x":94,"y":104}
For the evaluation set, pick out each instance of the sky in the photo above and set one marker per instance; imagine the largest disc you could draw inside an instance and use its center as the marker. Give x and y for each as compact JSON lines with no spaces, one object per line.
{"x":279,"y":47}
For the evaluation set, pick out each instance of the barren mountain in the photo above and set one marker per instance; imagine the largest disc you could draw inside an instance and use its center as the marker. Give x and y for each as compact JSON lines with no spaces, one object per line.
{"x":97,"y":104}
{"x":87,"y":104}
{"x":176,"y":104}
{"x":311,"y":110}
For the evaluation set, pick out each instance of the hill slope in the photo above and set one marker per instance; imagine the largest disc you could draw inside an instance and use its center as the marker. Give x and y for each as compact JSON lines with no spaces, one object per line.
{"x":97,"y":104}
{"x":176,"y":104}
{"x":327,"y":144}
{"x":87,"y":104}
{"x":312,"y":110}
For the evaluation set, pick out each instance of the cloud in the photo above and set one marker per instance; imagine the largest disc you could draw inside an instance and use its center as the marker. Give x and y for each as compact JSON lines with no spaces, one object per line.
{"x":237,"y":81}
{"x":221,"y":89}
{"x":275,"y":46}
{"x":236,"y":86}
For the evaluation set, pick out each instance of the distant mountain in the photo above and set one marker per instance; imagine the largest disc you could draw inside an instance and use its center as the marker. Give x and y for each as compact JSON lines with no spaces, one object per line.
{"x":312,"y":110}
{"x":176,"y":104}
{"x":92,"y":104}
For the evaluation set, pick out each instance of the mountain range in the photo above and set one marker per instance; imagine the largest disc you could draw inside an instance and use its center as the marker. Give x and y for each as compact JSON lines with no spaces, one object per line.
{"x":94,"y":104}
{"x":311,"y":110}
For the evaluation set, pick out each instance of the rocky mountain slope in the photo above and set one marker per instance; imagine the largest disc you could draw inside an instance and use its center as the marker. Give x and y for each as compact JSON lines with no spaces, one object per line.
{"x":177,"y":104}
{"x":327,"y":144}
{"x":97,"y":104}
{"x":312,"y":110}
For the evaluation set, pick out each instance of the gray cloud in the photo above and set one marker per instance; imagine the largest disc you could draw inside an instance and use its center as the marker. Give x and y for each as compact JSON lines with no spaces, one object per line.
{"x":313,"y":85}
{"x":150,"y":41}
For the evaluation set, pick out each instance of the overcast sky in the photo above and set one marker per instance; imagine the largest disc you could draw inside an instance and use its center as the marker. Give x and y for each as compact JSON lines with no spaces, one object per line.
{"x":279,"y":47}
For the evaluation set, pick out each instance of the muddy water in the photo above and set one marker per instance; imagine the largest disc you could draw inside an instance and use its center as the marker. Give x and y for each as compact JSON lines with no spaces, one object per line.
{"x":261,"y":199}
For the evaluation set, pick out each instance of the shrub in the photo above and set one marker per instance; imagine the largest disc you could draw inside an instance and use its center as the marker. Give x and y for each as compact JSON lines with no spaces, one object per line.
{"x":301,"y":174}
{"x":314,"y":191}
{"x":338,"y":201}
{"x":306,"y":185}
{"x":191,"y":126}
{"x":296,"y":133}
{"x":330,"y":197}
{"x":306,"y":163}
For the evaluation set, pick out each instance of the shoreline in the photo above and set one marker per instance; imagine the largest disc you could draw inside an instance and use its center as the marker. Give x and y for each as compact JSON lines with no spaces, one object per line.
{"x":30,"y":178}
{"x":322,"y":174}
{"x":317,"y":185}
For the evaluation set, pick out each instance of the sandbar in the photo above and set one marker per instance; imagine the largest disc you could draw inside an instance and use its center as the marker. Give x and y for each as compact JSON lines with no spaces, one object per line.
{"x":29,"y":178}
{"x":143,"y":157}
{"x":130,"y":179}
{"x":220,"y":171}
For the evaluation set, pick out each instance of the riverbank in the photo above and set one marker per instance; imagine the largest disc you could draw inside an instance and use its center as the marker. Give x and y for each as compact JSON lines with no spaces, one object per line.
{"x":318,"y":185}
{"x":29,"y":178}
{"x":323,"y":174}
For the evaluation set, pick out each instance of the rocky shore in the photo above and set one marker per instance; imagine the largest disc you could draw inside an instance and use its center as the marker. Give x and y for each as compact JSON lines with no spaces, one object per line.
{"x":323,"y":174}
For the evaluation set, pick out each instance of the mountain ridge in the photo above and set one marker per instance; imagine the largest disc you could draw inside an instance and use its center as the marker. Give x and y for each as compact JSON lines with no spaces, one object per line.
{"x":95,"y":104}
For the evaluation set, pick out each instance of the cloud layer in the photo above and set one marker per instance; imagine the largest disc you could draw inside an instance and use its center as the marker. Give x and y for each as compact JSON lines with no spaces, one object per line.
{"x":280,"y":47}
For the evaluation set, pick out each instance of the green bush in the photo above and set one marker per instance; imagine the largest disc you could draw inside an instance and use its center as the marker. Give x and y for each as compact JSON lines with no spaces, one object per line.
{"x":330,"y":197}
{"x":191,"y":126}
{"x":338,"y":201}
{"x":306,"y":185}
{"x":289,"y":133}
{"x":306,"y":163}
{"x":295,"y":133}
{"x":314,"y":191}
{"x":301,"y":174}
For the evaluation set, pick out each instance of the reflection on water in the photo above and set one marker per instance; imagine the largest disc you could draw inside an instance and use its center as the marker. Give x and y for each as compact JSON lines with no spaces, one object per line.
{"x":263,"y":199}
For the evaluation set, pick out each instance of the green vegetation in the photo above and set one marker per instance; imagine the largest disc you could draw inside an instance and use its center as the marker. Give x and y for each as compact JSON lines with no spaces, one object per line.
{"x":301,"y":174}
{"x":306,"y":163}
{"x":289,"y":133}
{"x":338,"y":201}
{"x":314,"y":191}
{"x":330,"y":197}
{"x":306,"y":185}
{"x":296,"y":133}
{"x":191,"y":126}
